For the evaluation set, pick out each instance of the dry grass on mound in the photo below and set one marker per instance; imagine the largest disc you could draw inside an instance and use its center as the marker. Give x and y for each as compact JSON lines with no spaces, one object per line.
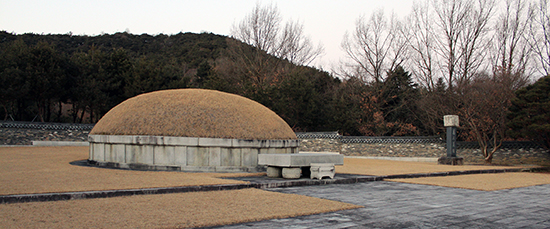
{"x":47,"y":169}
{"x":386,"y":167}
{"x":193,"y":113}
{"x":165,"y":211}
{"x":484,"y":182}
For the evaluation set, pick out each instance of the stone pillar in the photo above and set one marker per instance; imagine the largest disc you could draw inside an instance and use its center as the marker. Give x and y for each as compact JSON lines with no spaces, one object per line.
{"x":451,"y":122}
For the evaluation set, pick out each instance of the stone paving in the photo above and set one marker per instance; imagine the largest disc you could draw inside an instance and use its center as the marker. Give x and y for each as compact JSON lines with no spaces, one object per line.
{"x":400,"y":205}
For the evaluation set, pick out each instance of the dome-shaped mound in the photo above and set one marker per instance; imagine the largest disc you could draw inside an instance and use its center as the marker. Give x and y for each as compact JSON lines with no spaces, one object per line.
{"x":193,"y":113}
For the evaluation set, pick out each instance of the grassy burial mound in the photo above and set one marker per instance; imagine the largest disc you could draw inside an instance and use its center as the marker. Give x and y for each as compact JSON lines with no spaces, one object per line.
{"x":193,"y":113}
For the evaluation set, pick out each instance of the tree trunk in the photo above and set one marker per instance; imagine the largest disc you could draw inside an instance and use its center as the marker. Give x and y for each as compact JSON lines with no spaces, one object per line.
{"x":60,"y":111}
{"x":5,"y":112}
{"x":82,"y":115}
{"x":489,"y":159}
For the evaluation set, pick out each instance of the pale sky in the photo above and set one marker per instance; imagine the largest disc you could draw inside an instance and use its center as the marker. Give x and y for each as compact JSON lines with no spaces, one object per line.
{"x":325,"y":21}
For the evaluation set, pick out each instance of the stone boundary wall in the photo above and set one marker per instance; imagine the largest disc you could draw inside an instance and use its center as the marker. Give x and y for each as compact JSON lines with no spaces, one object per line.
{"x":46,"y":125}
{"x":184,"y":153}
{"x":512,"y":153}
{"x":16,"y":136}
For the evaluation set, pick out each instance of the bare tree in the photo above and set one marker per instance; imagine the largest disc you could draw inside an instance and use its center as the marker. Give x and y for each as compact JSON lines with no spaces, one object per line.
{"x":511,"y":52}
{"x":484,"y":103}
{"x":474,"y":40}
{"x":451,"y":16}
{"x":262,"y":29}
{"x":296,"y":47}
{"x":375,"y":46}
{"x":421,"y":44}
{"x":540,"y":34}
{"x":461,"y":26}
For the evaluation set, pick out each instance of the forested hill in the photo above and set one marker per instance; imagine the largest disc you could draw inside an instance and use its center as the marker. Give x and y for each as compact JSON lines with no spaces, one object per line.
{"x":187,"y":47}
{"x":78,"y":78}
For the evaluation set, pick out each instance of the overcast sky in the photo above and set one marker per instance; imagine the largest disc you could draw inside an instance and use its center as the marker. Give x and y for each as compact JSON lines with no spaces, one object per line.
{"x":324,"y":21}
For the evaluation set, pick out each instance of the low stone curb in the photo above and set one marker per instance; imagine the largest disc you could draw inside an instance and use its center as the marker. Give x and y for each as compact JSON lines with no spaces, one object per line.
{"x":41,"y":197}
{"x":456,"y":173}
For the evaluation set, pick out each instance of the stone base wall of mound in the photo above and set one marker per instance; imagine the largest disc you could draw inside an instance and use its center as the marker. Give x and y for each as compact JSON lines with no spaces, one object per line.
{"x":183,"y":153}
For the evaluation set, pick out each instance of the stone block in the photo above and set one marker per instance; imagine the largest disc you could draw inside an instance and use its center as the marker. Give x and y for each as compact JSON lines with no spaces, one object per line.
{"x":294,"y":143}
{"x":181,"y":141}
{"x":249,"y":157}
{"x":118,"y":153}
{"x":240,"y":143}
{"x":274,"y":172}
{"x":131,"y":153}
{"x":121,"y":139}
{"x":291,"y":173}
{"x":231,"y":169}
{"x":98,"y":152}
{"x":299,"y":160}
{"x":197,"y":156}
{"x":164,"y":155}
{"x":320,"y":170}
{"x":150,"y":140}
{"x":284,"y":143}
{"x":97,"y":138}
{"x":451,"y":120}
{"x":263,"y":151}
{"x":214,"y":156}
{"x":180,"y":155}
{"x":91,"y":151}
{"x":278,"y":143}
{"x":273,"y":150}
{"x":145,"y":155}
{"x":108,"y":152}
{"x":215,"y":142}
{"x":198,"y":168}
{"x":230,"y":157}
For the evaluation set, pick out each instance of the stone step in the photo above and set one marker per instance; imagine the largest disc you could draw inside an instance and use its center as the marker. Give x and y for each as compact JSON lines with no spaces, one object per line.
{"x":299,"y":159}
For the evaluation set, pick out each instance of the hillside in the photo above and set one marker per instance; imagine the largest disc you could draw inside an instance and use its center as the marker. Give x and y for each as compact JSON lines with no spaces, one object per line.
{"x":78,"y":78}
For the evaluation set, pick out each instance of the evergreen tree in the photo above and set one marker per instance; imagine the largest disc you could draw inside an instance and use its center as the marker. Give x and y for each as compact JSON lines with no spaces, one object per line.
{"x":392,"y":105}
{"x":203,"y":73}
{"x":529,"y":115}
{"x":398,"y":95}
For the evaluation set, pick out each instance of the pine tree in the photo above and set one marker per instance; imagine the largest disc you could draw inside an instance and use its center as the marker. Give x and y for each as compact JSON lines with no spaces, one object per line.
{"x":529,"y":115}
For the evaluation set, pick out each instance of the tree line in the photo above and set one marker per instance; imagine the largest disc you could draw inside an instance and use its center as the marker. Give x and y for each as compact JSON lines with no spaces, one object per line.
{"x":461,"y":59}
{"x":470,"y":58}
{"x":464,"y":57}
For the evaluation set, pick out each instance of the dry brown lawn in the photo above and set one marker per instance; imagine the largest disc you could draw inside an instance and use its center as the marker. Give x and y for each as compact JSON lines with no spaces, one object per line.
{"x":484,"y":182}
{"x":47,"y":169}
{"x":195,"y":209}
{"x":386,"y":167}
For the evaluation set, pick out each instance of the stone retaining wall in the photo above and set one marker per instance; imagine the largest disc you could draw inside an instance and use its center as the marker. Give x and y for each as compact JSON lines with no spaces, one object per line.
{"x":184,"y":153}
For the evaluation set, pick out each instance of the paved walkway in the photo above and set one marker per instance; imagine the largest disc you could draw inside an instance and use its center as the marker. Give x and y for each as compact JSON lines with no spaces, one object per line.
{"x":399,"y":205}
